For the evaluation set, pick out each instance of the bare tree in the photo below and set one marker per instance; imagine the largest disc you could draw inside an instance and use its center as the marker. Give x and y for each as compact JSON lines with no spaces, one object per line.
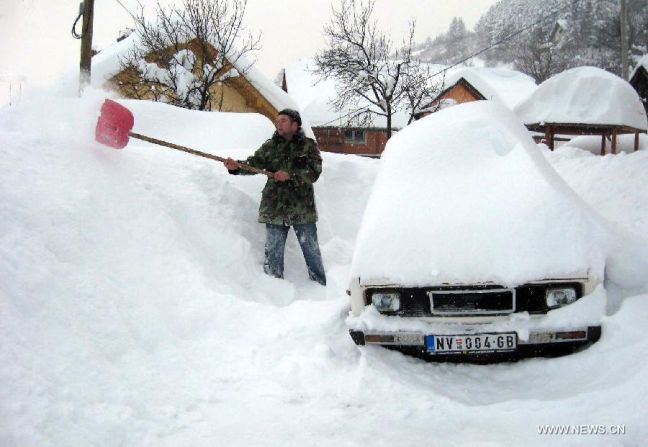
{"x":421,"y":86}
{"x":370,"y":72}
{"x":189,"y":53}
{"x":540,"y":58}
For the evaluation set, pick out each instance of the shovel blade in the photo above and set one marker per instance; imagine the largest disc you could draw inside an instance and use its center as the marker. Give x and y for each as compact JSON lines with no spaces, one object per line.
{"x":113,"y":125}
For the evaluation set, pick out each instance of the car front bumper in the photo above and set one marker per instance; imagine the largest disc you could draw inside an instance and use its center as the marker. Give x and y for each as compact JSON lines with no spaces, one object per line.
{"x":545,"y":343}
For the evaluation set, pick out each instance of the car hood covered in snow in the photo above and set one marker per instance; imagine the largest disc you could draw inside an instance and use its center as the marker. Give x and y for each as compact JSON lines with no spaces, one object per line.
{"x":464,"y":195}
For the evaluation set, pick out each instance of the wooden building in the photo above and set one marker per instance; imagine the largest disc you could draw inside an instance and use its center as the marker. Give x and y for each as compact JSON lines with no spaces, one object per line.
{"x":247,"y":92}
{"x":639,"y":81}
{"x":461,"y":91}
{"x":351,"y":140}
{"x":314,"y":97}
{"x":466,"y":84}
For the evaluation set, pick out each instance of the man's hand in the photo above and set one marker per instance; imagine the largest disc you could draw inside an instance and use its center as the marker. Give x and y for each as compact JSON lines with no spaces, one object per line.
{"x":231,"y":164}
{"x":281,"y":176}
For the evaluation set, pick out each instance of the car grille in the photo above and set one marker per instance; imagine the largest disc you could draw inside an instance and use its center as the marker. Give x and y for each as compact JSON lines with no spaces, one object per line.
{"x":471,"y":300}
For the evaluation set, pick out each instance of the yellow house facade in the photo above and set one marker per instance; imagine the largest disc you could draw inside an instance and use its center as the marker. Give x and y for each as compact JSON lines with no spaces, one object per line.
{"x":250,"y":92}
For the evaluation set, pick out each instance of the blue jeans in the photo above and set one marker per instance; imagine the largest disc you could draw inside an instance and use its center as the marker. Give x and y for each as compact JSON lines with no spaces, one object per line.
{"x":276,"y":243}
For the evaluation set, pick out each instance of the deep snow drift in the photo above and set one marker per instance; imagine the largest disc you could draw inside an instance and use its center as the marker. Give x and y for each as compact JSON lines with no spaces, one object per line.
{"x":133,"y":311}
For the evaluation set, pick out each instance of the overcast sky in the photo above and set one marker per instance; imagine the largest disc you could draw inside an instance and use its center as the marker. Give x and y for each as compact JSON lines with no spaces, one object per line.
{"x":37,"y":43}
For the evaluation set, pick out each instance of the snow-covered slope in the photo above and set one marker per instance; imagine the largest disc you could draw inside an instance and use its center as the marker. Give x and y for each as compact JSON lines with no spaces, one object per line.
{"x":133,"y":310}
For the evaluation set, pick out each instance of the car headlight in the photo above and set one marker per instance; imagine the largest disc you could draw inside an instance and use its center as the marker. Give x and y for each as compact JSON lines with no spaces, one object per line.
{"x":386,"y":302}
{"x":560,"y":296}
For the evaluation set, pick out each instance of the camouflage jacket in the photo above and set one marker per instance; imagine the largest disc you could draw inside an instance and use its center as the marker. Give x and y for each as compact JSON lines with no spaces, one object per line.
{"x":293,"y":201}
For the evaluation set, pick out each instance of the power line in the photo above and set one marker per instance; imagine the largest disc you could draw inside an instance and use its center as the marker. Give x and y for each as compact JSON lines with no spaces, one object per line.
{"x":127,"y":10}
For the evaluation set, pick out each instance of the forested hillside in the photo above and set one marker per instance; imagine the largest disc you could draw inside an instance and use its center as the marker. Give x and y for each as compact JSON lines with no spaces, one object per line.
{"x":561,"y":34}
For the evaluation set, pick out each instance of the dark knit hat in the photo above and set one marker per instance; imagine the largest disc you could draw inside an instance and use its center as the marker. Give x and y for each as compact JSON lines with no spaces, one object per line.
{"x":293,"y":115}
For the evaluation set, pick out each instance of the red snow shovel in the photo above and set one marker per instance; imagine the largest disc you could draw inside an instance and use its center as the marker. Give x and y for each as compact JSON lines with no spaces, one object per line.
{"x":114,"y":127}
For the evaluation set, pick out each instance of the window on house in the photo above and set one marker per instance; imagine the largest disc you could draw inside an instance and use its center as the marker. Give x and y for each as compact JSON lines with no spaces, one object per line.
{"x":355,"y":136}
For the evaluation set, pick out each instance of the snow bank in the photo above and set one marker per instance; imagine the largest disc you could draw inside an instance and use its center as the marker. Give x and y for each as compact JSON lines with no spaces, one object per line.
{"x":614,"y":185}
{"x":133,"y":310}
{"x":160,"y":208}
{"x":216,"y":133}
{"x":464,"y":195}
{"x":597,"y":180}
{"x":592,"y":143}
{"x":586,"y":95}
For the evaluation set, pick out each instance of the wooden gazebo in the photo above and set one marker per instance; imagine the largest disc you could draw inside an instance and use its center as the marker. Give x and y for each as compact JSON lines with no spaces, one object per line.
{"x":584,"y":101}
{"x":606,"y":131}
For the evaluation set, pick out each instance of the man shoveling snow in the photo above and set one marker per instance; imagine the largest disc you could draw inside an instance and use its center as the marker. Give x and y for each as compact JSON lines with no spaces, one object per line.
{"x":288,"y":199}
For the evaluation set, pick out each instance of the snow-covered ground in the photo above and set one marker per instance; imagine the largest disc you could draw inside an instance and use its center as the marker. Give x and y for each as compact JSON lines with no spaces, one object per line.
{"x":133,"y":310}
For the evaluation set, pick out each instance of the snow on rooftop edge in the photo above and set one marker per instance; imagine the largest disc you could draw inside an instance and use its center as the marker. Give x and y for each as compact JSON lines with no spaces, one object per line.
{"x":642,"y":62}
{"x":510,"y":87}
{"x":464,"y":195}
{"x":584,"y":95}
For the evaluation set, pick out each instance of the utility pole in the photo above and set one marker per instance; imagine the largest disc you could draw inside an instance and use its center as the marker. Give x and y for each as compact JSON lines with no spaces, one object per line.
{"x":86,"y":44}
{"x":624,"y":40}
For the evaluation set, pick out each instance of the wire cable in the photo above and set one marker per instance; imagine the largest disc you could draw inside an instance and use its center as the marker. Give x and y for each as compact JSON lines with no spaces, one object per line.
{"x":127,"y":10}
{"x":74,"y":33}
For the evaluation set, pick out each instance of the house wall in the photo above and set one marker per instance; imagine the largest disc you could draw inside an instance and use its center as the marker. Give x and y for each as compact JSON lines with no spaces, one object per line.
{"x":238,"y":96}
{"x":331,"y":139}
{"x":232,"y":101}
{"x":241,"y":98}
{"x":459,"y":93}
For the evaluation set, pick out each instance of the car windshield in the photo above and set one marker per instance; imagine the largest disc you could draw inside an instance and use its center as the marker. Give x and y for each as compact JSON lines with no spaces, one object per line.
{"x":465,"y":195}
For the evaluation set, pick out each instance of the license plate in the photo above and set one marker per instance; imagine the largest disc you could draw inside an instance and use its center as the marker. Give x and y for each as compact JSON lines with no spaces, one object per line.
{"x":471,"y":343}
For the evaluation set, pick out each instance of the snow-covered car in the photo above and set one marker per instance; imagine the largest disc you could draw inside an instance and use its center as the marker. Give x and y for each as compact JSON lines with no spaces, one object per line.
{"x":473,"y":247}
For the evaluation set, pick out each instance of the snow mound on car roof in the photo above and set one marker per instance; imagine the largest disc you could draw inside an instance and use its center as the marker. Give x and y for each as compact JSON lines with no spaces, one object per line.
{"x":465,"y":195}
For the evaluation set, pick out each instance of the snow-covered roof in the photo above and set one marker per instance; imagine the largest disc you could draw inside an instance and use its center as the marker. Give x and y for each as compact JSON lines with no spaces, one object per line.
{"x":468,"y":210}
{"x":509,"y":87}
{"x":443,"y":104}
{"x":106,"y":64}
{"x":642,"y":62}
{"x":314,"y":98}
{"x":584,"y":95}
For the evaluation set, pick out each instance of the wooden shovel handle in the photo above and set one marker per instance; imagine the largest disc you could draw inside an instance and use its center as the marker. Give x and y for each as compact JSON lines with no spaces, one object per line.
{"x":198,"y":153}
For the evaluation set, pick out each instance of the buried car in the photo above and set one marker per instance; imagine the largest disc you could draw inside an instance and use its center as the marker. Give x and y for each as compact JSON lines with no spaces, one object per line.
{"x":473,"y":247}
